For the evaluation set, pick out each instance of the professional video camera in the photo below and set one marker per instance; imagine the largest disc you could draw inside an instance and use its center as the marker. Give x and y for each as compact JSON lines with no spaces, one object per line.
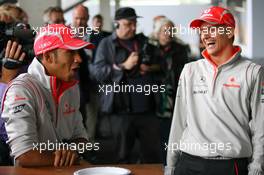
{"x":21,"y":33}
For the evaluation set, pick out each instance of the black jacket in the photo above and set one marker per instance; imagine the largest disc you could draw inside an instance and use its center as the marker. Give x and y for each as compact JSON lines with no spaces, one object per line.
{"x":110,"y":52}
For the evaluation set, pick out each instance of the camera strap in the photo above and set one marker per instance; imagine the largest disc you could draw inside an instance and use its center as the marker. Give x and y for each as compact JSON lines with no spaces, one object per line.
{"x":9,"y":63}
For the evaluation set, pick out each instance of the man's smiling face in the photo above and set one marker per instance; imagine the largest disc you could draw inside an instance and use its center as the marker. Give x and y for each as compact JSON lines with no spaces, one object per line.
{"x":215,"y":38}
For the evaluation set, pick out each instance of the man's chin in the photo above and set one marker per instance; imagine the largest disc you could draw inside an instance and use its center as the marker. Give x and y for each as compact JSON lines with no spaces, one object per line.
{"x":130,"y":36}
{"x":212,"y":52}
{"x":69,"y":79}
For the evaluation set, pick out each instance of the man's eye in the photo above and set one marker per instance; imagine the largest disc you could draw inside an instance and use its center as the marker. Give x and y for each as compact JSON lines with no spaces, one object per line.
{"x":204,"y":31}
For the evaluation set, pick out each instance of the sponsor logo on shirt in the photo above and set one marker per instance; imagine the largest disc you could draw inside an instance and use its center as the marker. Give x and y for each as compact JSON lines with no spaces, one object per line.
{"x":200,"y":92}
{"x":232,"y":83}
{"x":18,"y":108}
{"x":201,"y":81}
{"x":200,"y":86}
{"x":19,"y":98}
{"x":68,"y":109}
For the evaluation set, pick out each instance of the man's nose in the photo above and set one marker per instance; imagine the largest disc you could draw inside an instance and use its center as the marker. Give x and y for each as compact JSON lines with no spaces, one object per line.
{"x":78,"y":22}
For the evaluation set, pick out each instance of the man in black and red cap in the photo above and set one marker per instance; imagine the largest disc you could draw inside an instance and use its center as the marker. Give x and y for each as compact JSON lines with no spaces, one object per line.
{"x":132,"y":114}
{"x":218,"y":122}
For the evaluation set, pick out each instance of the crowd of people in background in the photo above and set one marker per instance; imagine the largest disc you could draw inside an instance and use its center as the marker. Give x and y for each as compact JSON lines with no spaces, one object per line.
{"x":137,"y":124}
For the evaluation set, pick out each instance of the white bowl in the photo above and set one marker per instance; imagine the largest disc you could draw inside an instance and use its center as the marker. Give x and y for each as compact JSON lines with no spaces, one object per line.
{"x":103,"y":171}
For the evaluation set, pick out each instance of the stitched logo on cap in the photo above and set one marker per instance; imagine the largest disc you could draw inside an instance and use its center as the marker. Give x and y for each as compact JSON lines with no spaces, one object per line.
{"x":207,"y":10}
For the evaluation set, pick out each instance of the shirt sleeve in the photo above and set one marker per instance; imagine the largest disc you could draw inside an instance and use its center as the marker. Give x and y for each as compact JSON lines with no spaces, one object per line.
{"x":178,"y":125}
{"x":103,"y":69}
{"x":257,"y":125}
{"x":20,"y":119}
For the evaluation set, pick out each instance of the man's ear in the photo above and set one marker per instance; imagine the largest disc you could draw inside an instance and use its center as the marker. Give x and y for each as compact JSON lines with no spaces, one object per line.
{"x":48,"y":57}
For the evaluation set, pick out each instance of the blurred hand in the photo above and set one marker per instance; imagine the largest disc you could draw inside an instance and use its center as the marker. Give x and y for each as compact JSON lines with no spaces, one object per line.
{"x":12,"y":51}
{"x":65,"y":158}
{"x":131,"y":61}
{"x":144,"y":69}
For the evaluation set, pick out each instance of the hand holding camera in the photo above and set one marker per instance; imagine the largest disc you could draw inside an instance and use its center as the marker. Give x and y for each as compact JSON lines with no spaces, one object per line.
{"x":13,"y":55}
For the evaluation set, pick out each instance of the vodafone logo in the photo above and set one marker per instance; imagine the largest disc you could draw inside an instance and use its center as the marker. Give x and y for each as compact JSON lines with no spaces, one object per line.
{"x":206,"y":13}
{"x":232,"y":82}
{"x":207,"y":10}
{"x":68,"y":109}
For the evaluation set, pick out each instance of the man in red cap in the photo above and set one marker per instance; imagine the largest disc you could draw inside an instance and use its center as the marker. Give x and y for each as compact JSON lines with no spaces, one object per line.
{"x":41,"y":107}
{"x":218,"y":122}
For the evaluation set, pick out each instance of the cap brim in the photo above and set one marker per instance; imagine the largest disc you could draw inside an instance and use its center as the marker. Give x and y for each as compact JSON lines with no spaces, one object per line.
{"x":76,"y":44}
{"x":198,"y":22}
{"x":134,"y":17}
{"x":129,"y":18}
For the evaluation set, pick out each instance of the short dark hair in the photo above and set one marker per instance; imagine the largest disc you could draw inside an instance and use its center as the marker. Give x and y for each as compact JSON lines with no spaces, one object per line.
{"x":40,"y":57}
{"x":98,"y":16}
{"x":55,"y":9}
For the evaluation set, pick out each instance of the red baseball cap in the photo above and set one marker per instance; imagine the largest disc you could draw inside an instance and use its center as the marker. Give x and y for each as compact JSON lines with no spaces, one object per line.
{"x":55,"y":36}
{"x":215,"y":15}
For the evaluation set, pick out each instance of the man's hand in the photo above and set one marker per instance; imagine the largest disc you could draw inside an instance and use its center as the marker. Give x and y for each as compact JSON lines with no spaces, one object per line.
{"x":65,"y":158}
{"x":144,"y":69}
{"x":131,"y":61}
{"x":12,"y":51}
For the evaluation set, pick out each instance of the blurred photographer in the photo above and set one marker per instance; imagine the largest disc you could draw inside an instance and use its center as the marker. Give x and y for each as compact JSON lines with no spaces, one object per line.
{"x":125,"y":58}
{"x":12,"y":51}
{"x":12,"y":58}
{"x":174,"y":55}
{"x":14,"y":26}
{"x":53,"y":15}
{"x":17,"y":13}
